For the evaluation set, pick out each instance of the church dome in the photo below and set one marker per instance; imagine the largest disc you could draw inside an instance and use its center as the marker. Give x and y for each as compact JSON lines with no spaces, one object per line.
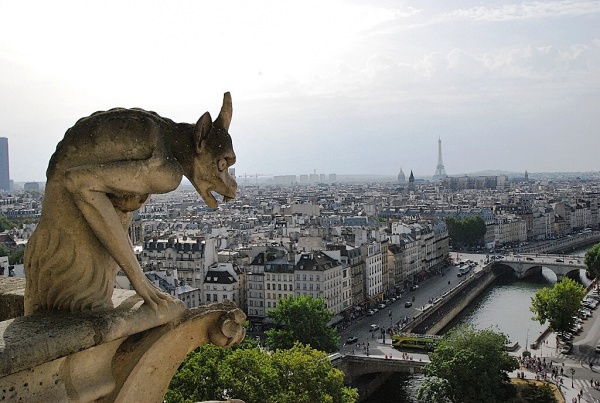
{"x":401,"y":177}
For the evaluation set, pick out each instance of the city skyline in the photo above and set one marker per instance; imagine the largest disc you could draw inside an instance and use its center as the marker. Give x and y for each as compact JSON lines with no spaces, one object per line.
{"x":348,"y":86}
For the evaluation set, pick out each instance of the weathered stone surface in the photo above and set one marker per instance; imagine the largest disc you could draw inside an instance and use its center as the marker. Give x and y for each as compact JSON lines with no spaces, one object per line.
{"x":12,"y":291}
{"x":125,"y":354}
{"x":106,"y":167}
{"x":51,"y":335}
{"x":81,"y":340}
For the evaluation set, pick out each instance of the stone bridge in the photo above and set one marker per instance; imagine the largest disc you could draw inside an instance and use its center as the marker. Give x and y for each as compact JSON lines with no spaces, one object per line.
{"x":525,"y":265}
{"x":367,"y":374}
{"x":355,"y":366}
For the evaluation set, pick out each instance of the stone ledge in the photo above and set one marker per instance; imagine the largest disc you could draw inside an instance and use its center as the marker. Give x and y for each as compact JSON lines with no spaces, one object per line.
{"x":128,"y":353}
{"x":27,"y":341}
{"x":12,"y":294}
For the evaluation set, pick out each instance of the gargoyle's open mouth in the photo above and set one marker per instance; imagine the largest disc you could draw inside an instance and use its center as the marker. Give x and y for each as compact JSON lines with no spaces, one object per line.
{"x":211,"y":200}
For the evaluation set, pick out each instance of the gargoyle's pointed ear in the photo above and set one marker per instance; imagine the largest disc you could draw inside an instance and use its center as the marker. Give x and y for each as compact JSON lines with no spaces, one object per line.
{"x":224,"y":117}
{"x":203,"y":127}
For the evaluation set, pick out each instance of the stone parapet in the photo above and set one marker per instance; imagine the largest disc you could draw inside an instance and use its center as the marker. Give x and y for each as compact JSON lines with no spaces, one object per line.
{"x":125,"y":354}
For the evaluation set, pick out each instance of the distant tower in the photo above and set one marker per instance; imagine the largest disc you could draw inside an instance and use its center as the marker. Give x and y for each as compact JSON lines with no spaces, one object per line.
{"x":4,"y":173}
{"x":440,"y":171}
{"x":526,"y":176}
{"x":401,"y":177}
{"x":411,"y":181}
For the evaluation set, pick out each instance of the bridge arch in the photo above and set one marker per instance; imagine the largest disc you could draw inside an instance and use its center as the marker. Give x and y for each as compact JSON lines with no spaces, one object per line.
{"x":357,"y":366}
{"x":526,"y":267}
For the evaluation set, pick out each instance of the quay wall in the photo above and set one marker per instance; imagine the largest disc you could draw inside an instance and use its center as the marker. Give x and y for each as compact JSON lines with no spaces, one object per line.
{"x":462,"y":302}
{"x":436,"y":316}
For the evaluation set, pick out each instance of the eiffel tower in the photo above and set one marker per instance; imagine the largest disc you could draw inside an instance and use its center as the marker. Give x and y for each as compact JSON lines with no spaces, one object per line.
{"x":440,"y":171}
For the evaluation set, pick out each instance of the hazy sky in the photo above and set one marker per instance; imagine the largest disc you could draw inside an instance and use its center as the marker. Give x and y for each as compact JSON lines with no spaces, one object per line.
{"x":346,"y":87}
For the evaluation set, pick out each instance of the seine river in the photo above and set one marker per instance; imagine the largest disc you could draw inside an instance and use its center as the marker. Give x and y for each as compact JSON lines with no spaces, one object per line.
{"x":504,"y":307}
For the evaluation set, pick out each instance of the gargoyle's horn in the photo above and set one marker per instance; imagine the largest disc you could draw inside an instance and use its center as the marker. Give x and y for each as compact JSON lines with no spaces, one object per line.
{"x":224,"y":117}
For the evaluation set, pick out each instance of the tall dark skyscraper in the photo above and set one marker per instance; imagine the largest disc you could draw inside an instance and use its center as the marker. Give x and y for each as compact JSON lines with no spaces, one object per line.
{"x":4,"y":173}
{"x":440,"y":171}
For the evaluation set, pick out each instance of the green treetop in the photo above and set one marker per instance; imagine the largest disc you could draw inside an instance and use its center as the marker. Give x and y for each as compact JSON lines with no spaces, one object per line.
{"x":469,"y":231}
{"x":302,"y":319}
{"x":468,"y":366}
{"x":558,"y":305}
{"x":592,"y":261}
{"x":298,"y":375}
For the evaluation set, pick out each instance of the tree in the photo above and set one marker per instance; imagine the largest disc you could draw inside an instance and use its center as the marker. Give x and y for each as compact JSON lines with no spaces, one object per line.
{"x":558,"y":305}
{"x":300,"y":374}
{"x":16,"y":257}
{"x":197,"y":378}
{"x":468,"y":366}
{"x":592,"y":261}
{"x":5,"y":223}
{"x":469,"y":231}
{"x":302,"y":319}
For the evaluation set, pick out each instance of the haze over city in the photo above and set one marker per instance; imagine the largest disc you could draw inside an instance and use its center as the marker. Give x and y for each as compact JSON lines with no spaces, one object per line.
{"x":346,"y":87}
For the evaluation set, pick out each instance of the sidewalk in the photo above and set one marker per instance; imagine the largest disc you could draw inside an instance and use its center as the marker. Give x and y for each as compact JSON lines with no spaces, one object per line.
{"x":549,"y":351}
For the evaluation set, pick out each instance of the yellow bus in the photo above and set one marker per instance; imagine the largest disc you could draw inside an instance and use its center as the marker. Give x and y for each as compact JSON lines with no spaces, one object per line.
{"x":416,"y":341}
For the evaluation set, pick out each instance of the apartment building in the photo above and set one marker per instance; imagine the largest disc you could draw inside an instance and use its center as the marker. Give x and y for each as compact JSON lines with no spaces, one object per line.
{"x":373,"y":271}
{"x":222,"y":282}
{"x":321,"y":276}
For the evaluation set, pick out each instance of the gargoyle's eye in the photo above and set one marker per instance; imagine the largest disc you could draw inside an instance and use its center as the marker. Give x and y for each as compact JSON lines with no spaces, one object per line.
{"x":222,"y":164}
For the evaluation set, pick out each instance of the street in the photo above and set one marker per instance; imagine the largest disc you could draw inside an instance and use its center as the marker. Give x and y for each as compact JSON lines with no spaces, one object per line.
{"x":430,"y":288}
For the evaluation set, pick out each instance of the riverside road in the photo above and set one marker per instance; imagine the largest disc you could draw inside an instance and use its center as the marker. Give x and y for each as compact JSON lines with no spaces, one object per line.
{"x":575,"y":364}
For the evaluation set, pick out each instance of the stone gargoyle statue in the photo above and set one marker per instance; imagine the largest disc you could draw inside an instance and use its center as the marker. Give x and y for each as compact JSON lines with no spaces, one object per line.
{"x":106,"y":167}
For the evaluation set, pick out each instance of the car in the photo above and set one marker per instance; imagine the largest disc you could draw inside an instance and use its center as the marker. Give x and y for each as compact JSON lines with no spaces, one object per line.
{"x":373,"y":328}
{"x":393,"y":299}
{"x":559,"y":260}
{"x":414,"y":287}
{"x":408,"y":304}
{"x":529,"y":258}
{"x":565,"y":336}
{"x":381,"y":306}
{"x":585,"y":313}
{"x":566,"y":348}
{"x":597,"y":349}
{"x":351,"y":340}
{"x":370,"y":312}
